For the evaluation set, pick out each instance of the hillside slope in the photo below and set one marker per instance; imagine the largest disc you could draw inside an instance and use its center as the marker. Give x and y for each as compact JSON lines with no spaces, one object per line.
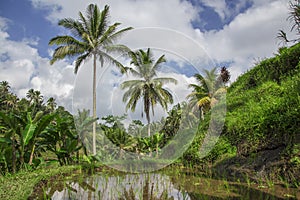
{"x":263,"y":119}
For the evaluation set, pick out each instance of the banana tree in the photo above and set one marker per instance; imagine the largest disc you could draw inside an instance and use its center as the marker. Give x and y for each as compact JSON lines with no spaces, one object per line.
{"x":10,"y":127}
{"x":120,"y":138}
{"x":22,"y":132}
{"x":156,"y":141}
{"x":35,"y":127}
{"x":61,"y":137}
{"x":5,"y":150}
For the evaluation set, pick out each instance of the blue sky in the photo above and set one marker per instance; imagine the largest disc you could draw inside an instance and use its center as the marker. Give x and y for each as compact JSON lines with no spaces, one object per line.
{"x":234,"y":33}
{"x":26,"y":21}
{"x":212,"y":20}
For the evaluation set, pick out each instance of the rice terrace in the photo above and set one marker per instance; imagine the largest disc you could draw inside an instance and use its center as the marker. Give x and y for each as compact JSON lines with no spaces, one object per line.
{"x":165,"y":104}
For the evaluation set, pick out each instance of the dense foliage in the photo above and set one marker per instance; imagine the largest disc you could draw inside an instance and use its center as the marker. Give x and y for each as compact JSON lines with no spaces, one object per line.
{"x":263,"y":115}
{"x":264,"y":105}
{"x":31,"y":129}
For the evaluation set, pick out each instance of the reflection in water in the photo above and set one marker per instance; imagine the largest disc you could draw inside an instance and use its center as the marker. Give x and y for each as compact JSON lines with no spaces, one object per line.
{"x":156,"y":186}
{"x":128,"y":187}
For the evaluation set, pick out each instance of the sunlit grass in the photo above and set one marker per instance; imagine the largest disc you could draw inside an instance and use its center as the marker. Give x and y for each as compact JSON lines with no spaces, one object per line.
{"x":21,"y":184}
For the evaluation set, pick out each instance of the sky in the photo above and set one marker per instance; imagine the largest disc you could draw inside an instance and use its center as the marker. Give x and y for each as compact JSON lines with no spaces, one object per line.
{"x":193,"y":34}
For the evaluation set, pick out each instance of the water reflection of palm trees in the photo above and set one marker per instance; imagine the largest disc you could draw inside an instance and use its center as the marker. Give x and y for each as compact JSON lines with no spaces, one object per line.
{"x":121,"y":187}
{"x":148,"y":193}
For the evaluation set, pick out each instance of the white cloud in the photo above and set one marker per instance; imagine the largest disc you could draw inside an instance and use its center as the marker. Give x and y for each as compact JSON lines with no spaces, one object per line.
{"x":24,"y":68}
{"x":3,"y":28}
{"x":248,"y":36}
{"x":174,"y":14}
{"x":228,"y":9}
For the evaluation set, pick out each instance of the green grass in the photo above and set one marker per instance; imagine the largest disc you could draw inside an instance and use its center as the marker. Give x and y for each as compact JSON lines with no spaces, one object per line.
{"x":21,"y":184}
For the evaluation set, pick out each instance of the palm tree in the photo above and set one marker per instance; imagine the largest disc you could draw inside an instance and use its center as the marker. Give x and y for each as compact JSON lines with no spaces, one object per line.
{"x":35,"y":97}
{"x":202,"y":95}
{"x":36,"y":100}
{"x":51,"y":104}
{"x":4,"y":87}
{"x":30,"y":95}
{"x":294,"y":18}
{"x":92,"y":37}
{"x":4,"y":92}
{"x":11,"y":101}
{"x":148,"y":86}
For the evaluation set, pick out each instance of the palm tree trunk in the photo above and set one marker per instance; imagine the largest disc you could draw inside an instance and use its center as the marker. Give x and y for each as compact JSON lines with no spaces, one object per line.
{"x":201,"y":113}
{"x":148,"y":125}
{"x":149,"y":130}
{"x":147,"y":111}
{"x":94,"y":106}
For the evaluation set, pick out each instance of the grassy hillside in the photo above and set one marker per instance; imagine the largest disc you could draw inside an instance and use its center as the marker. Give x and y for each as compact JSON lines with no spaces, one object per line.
{"x":263,"y":118}
{"x":262,"y":128}
{"x":264,"y":105}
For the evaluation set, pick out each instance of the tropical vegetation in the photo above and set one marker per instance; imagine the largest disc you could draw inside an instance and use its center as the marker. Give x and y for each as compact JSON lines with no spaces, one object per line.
{"x":260,"y":139}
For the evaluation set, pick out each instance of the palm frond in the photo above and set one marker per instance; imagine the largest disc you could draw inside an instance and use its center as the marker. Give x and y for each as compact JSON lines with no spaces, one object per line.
{"x":282,"y":36}
{"x":104,"y":18}
{"x":164,"y":80}
{"x":133,"y":94}
{"x":65,"y":39}
{"x":95,"y":21}
{"x":204,"y":101}
{"x":115,"y":36}
{"x":69,"y":50}
{"x":117,"y":48}
{"x":132,"y":83}
{"x":111,"y":60}
{"x":160,"y":60}
{"x":84,"y":23}
{"x":67,"y":23}
{"x":79,"y":60}
{"x":134,"y":58}
{"x":134,"y":72}
{"x":105,"y":37}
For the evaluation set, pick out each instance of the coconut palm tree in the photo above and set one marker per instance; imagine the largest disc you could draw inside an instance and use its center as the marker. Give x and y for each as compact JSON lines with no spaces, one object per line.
{"x":92,"y":37}
{"x":51,"y":104}
{"x":148,"y":86}
{"x":202,"y":95}
{"x":4,"y":87}
{"x":4,"y":93}
{"x":36,"y":100}
{"x":11,"y":101}
{"x":35,"y":97}
{"x":208,"y":90}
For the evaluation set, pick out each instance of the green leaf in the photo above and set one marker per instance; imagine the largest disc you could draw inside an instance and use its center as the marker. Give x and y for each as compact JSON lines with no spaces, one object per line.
{"x":5,"y":140}
{"x":28,"y":133}
{"x":44,"y":122}
{"x":29,"y":119}
{"x":71,"y":147}
{"x":38,"y":116}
